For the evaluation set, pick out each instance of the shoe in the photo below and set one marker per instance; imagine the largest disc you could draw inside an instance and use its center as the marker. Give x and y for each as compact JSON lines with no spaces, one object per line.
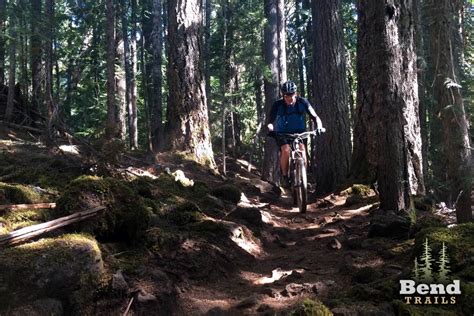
{"x":285,"y":182}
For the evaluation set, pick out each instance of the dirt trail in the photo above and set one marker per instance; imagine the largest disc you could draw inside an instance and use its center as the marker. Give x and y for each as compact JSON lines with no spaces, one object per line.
{"x":302,"y":256}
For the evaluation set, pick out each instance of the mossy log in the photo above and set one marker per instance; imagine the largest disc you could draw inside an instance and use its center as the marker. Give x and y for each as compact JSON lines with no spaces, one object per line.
{"x":36,"y":230}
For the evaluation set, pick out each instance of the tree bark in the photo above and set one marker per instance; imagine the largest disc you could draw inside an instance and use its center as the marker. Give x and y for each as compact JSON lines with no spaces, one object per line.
{"x":127,"y":63}
{"x":187,"y":115}
{"x":35,"y":55}
{"x":207,"y":51}
{"x":275,"y":59}
{"x":112,"y":126}
{"x":12,"y":68}
{"x":120,"y":77}
{"x":330,"y":89}
{"x":48,"y":52}
{"x":157,"y":132}
{"x":3,"y":16}
{"x":454,"y":167}
{"x":386,"y":59}
{"x":133,"y":112}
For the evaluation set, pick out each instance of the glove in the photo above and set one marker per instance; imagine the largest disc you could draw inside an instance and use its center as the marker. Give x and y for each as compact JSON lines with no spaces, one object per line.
{"x":320,"y":130}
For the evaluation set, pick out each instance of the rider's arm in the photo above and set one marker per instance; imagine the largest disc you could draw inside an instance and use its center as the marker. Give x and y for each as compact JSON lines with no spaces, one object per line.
{"x":314,"y":117}
{"x":271,"y":118}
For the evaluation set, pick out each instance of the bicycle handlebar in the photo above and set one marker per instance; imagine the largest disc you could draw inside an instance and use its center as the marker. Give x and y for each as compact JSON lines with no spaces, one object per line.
{"x":303,"y":135}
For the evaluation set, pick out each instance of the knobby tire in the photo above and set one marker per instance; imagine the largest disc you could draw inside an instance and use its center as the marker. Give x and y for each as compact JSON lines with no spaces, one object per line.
{"x":301,"y":186}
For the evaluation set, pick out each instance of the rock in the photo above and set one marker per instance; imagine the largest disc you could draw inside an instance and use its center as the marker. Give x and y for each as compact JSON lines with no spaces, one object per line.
{"x":181,"y":178}
{"x":118,"y":282}
{"x":271,"y":292}
{"x":294,"y":289}
{"x":227,"y":192}
{"x":248,"y":302}
{"x":39,"y":308}
{"x":335,"y":244}
{"x":250,"y":215}
{"x":144,"y":297}
{"x":126,"y":217}
{"x":388,"y":224}
{"x":67,"y":268}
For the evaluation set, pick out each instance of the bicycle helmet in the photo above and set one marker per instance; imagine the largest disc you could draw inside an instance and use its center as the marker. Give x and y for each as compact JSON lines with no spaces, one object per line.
{"x":288,"y":87}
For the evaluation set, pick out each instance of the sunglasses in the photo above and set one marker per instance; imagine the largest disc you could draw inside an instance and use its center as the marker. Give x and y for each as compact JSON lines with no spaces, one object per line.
{"x":289,"y":94}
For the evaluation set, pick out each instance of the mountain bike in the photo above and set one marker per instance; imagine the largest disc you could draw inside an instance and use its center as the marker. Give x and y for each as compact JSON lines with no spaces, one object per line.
{"x":297,"y":167}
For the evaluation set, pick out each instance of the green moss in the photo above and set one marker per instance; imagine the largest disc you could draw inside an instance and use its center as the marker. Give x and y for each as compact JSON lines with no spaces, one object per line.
{"x":126,"y":217}
{"x":160,"y":240}
{"x":25,"y":165}
{"x":228,"y":192}
{"x":19,"y":194}
{"x":22,"y":218}
{"x":459,"y":241}
{"x":402,"y":249}
{"x":52,"y":267}
{"x":311,"y":307}
{"x":357,"y":189}
{"x":184,"y":213}
{"x":210,"y":229}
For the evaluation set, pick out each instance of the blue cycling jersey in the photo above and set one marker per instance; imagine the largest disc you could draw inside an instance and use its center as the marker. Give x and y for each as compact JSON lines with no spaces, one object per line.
{"x":290,"y":118}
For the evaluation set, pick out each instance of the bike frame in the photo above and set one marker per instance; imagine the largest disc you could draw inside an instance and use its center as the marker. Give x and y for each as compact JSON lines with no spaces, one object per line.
{"x":297,"y":169}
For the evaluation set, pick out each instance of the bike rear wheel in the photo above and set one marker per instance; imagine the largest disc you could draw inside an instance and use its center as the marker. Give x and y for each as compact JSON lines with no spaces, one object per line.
{"x":301,"y":185}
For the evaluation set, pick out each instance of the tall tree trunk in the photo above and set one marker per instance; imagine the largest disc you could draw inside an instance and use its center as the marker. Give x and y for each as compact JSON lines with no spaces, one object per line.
{"x":333,"y":150}
{"x":157,"y":105}
{"x":207,"y":51}
{"x":12,"y":67}
{"x":146,"y":67}
{"x":48,"y":56}
{"x":446,"y":57}
{"x":22,"y":56}
{"x":35,"y":55}
{"x":3,"y":16}
{"x":275,"y":59}
{"x":224,"y":82}
{"x":111,"y":126}
{"x":127,"y":65}
{"x":120,"y":80}
{"x":188,"y":124}
{"x":386,"y":36}
{"x":133,"y":112}
{"x":308,"y":43}
{"x":422,"y":83}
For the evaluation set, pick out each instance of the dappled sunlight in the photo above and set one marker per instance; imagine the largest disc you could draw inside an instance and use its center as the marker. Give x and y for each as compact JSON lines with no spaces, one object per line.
{"x":239,"y":237}
{"x":277,"y":274}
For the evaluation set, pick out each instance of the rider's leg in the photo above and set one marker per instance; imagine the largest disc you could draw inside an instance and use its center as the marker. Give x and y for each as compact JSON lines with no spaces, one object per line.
{"x":284,"y":158}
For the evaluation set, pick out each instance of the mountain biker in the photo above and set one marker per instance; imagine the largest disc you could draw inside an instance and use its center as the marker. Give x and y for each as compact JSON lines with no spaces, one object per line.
{"x":287,"y":116}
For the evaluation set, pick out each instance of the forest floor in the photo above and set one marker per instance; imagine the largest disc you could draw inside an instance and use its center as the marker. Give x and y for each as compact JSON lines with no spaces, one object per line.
{"x":254,"y":255}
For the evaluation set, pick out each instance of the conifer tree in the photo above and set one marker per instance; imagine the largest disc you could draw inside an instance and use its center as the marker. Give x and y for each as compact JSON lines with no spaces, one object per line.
{"x":426,"y":273}
{"x":443,"y":262}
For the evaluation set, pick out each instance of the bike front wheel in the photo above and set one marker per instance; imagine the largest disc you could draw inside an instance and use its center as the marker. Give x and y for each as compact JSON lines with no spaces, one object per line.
{"x":301,"y":186}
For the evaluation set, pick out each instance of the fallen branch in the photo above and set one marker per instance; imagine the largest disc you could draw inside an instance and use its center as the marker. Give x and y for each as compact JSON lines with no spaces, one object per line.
{"x":13,"y":207}
{"x":128,"y":307}
{"x":36,"y":230}
{"x":28,"y":128}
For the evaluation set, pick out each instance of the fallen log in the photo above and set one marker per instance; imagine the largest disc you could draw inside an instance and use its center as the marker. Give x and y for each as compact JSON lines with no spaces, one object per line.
{"x":13,"y":207}
{"x":35,"y":230}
